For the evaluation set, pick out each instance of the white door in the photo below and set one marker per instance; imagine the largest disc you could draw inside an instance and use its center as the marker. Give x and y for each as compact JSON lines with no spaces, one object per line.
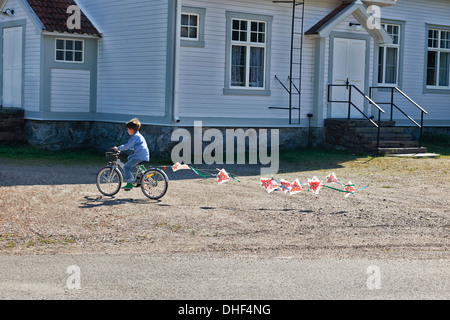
{"x":12,"y":68}
{"x":349,"y":64}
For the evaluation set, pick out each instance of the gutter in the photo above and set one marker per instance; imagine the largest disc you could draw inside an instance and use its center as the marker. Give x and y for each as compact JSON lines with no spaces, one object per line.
{"x":176,"y":73}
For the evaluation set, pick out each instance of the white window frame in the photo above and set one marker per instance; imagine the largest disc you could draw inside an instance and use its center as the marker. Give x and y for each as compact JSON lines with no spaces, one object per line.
{"x":384,"y":47}
{"x":188,"y":26}
{"x":438,"y":50}
{"x":72,"y":50}
{"x":248,"y":44}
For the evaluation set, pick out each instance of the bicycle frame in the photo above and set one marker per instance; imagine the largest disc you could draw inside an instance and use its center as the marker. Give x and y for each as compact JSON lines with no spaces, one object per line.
{"x":120,"y":164}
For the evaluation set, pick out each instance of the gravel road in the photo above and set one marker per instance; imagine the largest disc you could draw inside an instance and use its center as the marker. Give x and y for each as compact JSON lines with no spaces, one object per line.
{"x":403,"y":214}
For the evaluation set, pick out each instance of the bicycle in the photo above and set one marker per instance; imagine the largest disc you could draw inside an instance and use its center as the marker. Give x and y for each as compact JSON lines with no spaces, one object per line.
{"x":152,"y":181}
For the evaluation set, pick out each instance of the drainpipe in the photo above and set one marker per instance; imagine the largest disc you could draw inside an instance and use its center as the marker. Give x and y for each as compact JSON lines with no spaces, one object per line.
{"x":177,"y":62}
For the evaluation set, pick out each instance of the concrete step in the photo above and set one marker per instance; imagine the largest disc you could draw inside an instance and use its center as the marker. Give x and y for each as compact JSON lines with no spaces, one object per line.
{"x":388,"y":151}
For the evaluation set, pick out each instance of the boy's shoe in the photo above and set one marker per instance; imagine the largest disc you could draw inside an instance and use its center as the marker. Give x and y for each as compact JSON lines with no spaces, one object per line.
{"x":128,"y":187}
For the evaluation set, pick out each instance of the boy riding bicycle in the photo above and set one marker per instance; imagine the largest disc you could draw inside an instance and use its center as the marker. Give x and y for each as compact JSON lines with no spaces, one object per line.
{"x":137,"y":144}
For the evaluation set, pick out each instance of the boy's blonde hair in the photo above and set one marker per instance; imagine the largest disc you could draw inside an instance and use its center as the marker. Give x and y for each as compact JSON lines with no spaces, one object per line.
{"x":134,"y":124}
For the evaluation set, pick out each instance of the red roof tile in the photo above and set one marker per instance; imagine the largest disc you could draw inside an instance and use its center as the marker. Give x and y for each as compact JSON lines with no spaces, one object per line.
{"x":326,"y":19}
{"x":53,"y":15}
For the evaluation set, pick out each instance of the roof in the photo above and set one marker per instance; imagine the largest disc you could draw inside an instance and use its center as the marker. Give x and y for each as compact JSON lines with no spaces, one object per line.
{"x":326,"y":19}
{"x":53,"y":15}
{"x":325,"y":26}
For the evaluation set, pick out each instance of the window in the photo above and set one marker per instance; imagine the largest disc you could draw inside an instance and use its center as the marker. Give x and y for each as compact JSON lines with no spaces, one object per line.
{"x":69,"y":50}
{"x":189,"y":26}
{"x":192,"y":27}
{"x":248,"y":53}
{"x":438,"y":58}
{"x":389,"y":56}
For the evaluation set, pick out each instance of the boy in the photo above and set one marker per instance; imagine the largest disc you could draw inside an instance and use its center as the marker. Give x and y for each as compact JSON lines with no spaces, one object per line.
{"x":137,"y":144}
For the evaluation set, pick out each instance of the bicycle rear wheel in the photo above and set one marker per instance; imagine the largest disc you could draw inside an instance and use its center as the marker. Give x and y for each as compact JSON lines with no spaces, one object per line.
{"x":108,"y":181}
{"x":154,"y":183}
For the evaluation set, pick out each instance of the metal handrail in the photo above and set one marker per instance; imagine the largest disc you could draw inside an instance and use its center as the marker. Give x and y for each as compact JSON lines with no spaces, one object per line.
{"x":351,"y":104}
{"x":392,"y":104}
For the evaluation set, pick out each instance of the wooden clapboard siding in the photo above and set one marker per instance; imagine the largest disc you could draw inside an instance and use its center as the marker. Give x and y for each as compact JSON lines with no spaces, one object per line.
{"x":132,"y":55}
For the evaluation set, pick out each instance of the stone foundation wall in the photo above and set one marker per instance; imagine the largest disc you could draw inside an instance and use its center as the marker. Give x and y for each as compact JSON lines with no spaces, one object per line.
{"x":12,"y":125}
{"x":59,"y":135}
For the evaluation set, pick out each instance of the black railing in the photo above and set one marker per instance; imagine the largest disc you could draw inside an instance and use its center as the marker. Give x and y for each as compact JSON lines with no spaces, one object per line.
{"x":351,"y":105}
{"x":392,"y":104}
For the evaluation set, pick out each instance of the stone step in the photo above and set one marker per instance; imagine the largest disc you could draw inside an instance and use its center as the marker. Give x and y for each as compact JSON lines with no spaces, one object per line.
{"x":387,"y":137}
{"x":393,"y":144}
{"x":359,"y":122}
{"x":370,"y":130}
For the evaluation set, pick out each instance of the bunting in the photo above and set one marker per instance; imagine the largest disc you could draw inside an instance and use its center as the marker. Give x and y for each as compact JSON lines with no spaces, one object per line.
{"x":313,"y":185}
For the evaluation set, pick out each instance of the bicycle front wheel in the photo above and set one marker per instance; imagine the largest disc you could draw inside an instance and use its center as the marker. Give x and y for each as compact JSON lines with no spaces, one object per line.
{"x":108,"y":181}
{"x":154,"y":183}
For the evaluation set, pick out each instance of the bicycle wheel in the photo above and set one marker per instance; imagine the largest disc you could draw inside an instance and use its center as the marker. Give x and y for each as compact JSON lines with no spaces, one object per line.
{"x":154,"y":183}
{"x":108,"y":181}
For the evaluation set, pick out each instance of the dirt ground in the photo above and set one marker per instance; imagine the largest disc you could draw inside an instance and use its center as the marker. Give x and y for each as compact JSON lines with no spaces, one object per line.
{"x":403,"y":214}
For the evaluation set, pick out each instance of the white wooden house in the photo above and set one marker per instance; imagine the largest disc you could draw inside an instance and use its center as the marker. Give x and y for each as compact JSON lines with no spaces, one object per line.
{"x":225,"y":63}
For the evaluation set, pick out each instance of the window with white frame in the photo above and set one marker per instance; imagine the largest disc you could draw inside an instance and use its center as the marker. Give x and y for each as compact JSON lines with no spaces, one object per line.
{"x":438,"y":58}
{"x":248,"y":53}
{"x":389,"y":56}
{"x":189,"y":26}
{"x":68,"y":50}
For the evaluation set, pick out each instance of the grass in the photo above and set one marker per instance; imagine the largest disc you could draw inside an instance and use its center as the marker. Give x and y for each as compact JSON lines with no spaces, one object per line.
{"x":25,"y":153}
{"x":308,"y":158}
{"x":437,"y":143}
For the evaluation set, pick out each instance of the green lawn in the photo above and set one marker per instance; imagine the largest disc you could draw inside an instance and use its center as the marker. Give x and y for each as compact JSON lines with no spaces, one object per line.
{"x":312,"y":158}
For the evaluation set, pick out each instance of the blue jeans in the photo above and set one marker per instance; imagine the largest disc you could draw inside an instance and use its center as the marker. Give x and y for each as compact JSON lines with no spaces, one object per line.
{"x":132,"y":162}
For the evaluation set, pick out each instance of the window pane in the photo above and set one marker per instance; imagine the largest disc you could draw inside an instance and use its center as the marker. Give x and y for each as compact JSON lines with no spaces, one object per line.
{"x":235,"y":24}
{"x":79,"y":45}
{"x":59,"y":44}
{"x":256,"y":67}
{"x":261,"y":38}
{"x":69,"y":44}
{"x":184,"y":32}
{"x":431,"y":68}
{"x":238,"y":63}
{"x":60,"y":55}
{"x":444,"y":69}
{"x":193,"y":20}
{"x":193,"y":33}
{"x":391,"y":65}
{"x":79,"y":56}
{"x":69,"y":56}
{"x":243,"y":36}
{"x":235,"y":35}
{"x":184,"y":19}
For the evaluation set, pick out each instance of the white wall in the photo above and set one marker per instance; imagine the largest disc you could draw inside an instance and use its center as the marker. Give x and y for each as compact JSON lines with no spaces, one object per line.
{"x":203,"y":69}
{"x":132,"y":55}
{"x":417,"y":14}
